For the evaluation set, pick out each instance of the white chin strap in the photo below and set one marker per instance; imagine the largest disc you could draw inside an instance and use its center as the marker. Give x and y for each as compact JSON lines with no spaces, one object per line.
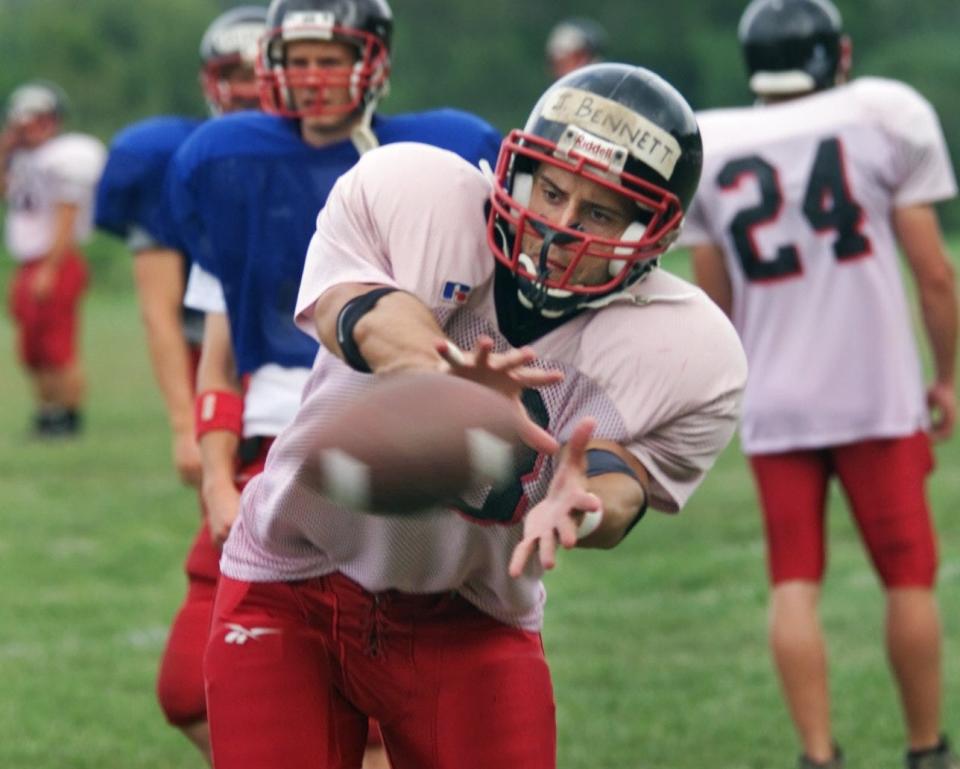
{"x":522,"y":188}
{"x":633,"y":232}
{"x":362,"y":135}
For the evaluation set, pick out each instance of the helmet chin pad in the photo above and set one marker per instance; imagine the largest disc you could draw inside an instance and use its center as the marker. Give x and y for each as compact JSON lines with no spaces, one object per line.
{"x":633,"y":232}
{"x":522,"y":188}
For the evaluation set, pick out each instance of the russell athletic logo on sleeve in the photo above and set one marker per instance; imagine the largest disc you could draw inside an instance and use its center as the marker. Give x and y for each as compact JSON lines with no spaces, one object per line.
{"x":456,"y":293}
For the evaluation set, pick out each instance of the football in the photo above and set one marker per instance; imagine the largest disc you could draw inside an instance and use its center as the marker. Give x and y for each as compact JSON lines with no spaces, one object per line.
{"x":415,"y":441}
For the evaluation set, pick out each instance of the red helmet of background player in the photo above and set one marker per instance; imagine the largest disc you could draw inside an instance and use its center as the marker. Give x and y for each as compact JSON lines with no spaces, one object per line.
{"x":230,"y":43}
{"x":622,"y":127}
{"x":364,"y":24}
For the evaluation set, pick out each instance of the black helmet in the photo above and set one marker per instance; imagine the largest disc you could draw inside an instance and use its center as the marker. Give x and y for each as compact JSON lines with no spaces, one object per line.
{"x":364,"y":24}
{"x":230,"y":41}
{"x":791,"y":46}
{"x":36,"y":98}
{"x":617,"y":125}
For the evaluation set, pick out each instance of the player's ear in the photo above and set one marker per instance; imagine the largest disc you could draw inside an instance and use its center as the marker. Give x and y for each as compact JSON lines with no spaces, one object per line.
{"x":846,"y":59}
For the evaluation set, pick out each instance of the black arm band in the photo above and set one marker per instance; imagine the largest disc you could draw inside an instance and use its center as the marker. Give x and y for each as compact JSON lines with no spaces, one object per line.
{"x":347,"y":319}
{"x":601,"y":462}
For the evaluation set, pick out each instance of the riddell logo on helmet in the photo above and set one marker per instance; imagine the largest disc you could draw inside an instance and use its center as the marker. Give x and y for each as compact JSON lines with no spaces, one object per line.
{"x":645,"y":140}
{"x":613,"y":156}
{"x":308,"y":25}
{"x":594,"y":148}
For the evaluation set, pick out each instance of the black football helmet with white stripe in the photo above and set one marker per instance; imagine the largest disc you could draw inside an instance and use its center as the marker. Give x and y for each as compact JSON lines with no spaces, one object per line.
{"x":791,"y":46}
{"x":624,"y":128}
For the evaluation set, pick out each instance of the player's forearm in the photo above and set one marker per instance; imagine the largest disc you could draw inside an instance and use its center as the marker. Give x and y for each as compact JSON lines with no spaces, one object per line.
{"x":939,"y":309}
{"x":64,"y":238}
{"x":170,"y":358}
{"x":217,"y":372}
{"x":623,"y":500}
{"x":218,"y":367}
{"x":217,"y":452}
{"x":711,"y":275}
{"x":399,"y":332}
{"x":158,"y":276}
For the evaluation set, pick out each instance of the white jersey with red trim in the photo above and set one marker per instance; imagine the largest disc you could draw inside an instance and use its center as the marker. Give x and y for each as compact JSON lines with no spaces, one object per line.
{"x":64,"y":169}
{"x":799,"y":196}
{"x":661,"y":370}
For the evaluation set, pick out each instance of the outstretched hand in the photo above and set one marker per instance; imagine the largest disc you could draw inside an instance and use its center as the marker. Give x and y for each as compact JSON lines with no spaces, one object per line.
{"x":509,"y":373}
{"x":942,"y":402}
{"x":557,"y":517}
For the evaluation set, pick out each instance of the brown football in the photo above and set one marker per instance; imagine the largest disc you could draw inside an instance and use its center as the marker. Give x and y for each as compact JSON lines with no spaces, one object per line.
{"x":415,"y":441}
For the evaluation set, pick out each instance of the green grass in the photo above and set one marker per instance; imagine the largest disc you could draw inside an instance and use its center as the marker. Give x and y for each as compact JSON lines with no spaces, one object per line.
{"x":658,"y":648}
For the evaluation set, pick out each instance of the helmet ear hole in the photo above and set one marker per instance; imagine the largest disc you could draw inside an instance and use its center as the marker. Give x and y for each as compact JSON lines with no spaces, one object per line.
{"x":523,"y":188}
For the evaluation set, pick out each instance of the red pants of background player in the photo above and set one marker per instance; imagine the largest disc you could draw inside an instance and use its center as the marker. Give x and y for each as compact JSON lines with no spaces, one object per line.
{"x":47,"y":327}
{"x":180,"y":681}
{"x":292,"y":669}
{"x":884,"y":483}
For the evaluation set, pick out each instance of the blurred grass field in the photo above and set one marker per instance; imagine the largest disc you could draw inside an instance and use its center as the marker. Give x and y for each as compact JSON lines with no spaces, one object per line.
{"x":658,"y":648}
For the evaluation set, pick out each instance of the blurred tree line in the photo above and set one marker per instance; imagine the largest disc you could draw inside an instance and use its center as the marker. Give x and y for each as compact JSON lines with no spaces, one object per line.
{"x":121,"y":61}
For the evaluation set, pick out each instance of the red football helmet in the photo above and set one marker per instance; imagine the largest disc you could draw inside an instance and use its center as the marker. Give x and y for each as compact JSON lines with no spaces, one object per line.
{"x":229,"y":44}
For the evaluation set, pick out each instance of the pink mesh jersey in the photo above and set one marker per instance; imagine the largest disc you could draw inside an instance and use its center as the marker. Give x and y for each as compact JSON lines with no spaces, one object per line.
{"x":661,"y":370}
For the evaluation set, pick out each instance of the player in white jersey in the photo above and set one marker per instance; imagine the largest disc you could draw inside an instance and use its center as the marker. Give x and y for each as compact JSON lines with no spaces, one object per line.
{"x":431,"y":623}
{"x":49,"y":180}
{"x":795,"y":228}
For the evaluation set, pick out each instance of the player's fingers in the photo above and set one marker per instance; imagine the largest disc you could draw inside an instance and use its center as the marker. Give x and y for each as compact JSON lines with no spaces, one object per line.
{"x":548,"y":551}
{"x":482,"y":351}
{"x":219,"y":535}
{"x":577,"y":445}
{"x":451,"y":353}
{"x":536,"y":377}
{"x":567,"y":532}
{"x":941,"y":429}
{"x":521,"y":554}
{"x":190,"y":475}
{"x":536,"y":437}
{"x":509,"y":362}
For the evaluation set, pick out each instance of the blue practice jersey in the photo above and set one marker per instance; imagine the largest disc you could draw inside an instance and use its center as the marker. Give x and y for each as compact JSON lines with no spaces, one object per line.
{"x":130,"y":194}
{"x":245,"y":191}
{"x":131,"y":201}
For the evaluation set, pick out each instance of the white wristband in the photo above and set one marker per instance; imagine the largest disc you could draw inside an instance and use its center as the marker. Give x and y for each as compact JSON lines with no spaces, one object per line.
{"x":589,"y":524}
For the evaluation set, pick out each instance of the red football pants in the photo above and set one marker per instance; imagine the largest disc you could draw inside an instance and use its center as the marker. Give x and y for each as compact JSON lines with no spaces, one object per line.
{"x":293,"y":670}
{"x":180,"y":679}
{"x":47,"y":328}
{"x":884,"y":481}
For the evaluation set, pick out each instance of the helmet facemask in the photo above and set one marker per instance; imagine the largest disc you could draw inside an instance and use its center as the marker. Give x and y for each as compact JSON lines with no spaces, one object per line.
{"x":228,"y":51}
{"x":543,"y":286}
{"x":224,"y":91}
{"x":366,"y":81}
